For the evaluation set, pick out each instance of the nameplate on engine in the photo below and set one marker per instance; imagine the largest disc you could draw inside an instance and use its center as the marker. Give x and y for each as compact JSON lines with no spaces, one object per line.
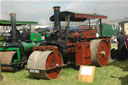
{"x":34,"y":71}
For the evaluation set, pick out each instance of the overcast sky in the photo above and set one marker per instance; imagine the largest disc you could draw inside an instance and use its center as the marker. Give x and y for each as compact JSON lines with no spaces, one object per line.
{"x":41,"y":10}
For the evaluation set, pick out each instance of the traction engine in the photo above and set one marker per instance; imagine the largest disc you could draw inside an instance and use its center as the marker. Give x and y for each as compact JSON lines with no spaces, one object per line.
{"x":65,"y":46}
{"x":16,"y":46}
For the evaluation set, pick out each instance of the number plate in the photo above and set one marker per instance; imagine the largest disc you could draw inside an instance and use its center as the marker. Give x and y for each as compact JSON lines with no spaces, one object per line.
{"x":34,"y":71}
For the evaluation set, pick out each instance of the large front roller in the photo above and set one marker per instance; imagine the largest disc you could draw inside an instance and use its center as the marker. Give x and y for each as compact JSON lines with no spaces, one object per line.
{"x":100,"y":52}
{"x":45,"y":64}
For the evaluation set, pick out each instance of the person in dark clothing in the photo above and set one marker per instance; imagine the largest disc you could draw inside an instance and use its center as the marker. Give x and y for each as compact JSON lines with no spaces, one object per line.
{"x":122,"y":47}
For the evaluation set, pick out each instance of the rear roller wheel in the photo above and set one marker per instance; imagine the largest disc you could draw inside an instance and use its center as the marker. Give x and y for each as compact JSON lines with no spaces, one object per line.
{"x":45,"y":62}
{"x":100,"y":52}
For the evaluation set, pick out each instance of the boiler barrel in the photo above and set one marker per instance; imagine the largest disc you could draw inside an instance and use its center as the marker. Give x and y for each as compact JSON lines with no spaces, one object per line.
{"x":27,"y":46}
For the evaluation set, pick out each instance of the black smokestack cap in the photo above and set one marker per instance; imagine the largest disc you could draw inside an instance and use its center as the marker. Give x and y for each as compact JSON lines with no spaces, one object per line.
{"x":13,"y":24}
{"x":56,"y":7}
{"x":57,"y":18}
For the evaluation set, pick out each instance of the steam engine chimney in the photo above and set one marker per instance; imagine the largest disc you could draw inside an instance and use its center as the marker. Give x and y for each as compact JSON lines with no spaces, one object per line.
{"x":57,"y":18}
{"x":13,"y":24}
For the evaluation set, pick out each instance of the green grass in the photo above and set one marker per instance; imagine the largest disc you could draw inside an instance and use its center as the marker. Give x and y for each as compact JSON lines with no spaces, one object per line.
{"x":115,"y":73}
{"x":114,"y":45}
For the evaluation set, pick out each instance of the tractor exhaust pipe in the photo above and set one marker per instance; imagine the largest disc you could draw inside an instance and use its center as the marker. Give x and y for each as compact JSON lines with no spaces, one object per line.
{"x":57,"y":18}
{"x":13,"y":24}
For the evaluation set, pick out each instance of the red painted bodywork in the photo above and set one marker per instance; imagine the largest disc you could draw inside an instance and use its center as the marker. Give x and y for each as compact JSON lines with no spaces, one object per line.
{"x":70,"y":50}
{"x":83,"y":53}
{"x":90,"y":16}
{"x":88,"y":34}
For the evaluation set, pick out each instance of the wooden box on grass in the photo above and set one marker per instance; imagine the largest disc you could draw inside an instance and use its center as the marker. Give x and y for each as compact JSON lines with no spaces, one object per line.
{"x":86,"y":74}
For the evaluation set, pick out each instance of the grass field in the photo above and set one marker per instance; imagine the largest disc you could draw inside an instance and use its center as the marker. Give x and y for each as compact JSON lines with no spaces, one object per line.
{"x":115,"y":73}
{"x":114,"y":45}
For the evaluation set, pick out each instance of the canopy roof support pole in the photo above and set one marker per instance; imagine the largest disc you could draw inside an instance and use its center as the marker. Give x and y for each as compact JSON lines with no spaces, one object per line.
{"x":67,"y":27}
{"x":89,"y":23}
{"x":101,"y":26}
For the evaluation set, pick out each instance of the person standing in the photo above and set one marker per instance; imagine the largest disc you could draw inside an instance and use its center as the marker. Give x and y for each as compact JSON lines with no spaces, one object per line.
{"x":121,"y":41}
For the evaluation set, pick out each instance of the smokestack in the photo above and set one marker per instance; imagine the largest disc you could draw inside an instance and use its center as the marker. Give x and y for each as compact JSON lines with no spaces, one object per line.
{"x":57,"y":18}
{"x":13,"y":24}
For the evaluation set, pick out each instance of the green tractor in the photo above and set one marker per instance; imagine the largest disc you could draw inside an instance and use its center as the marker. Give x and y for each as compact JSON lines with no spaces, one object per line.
{"x":16,"y":44}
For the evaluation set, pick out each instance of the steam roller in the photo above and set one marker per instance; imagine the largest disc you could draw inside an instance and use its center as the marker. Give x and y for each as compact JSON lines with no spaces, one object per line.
{"x":16,"y":46}
{"x":65,"y":46}
{"x":45,"y":65}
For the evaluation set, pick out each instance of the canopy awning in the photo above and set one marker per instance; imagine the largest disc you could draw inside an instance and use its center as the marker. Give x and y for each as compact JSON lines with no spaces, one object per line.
{"x":18,"y":23}
{"x":78,"y":16}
